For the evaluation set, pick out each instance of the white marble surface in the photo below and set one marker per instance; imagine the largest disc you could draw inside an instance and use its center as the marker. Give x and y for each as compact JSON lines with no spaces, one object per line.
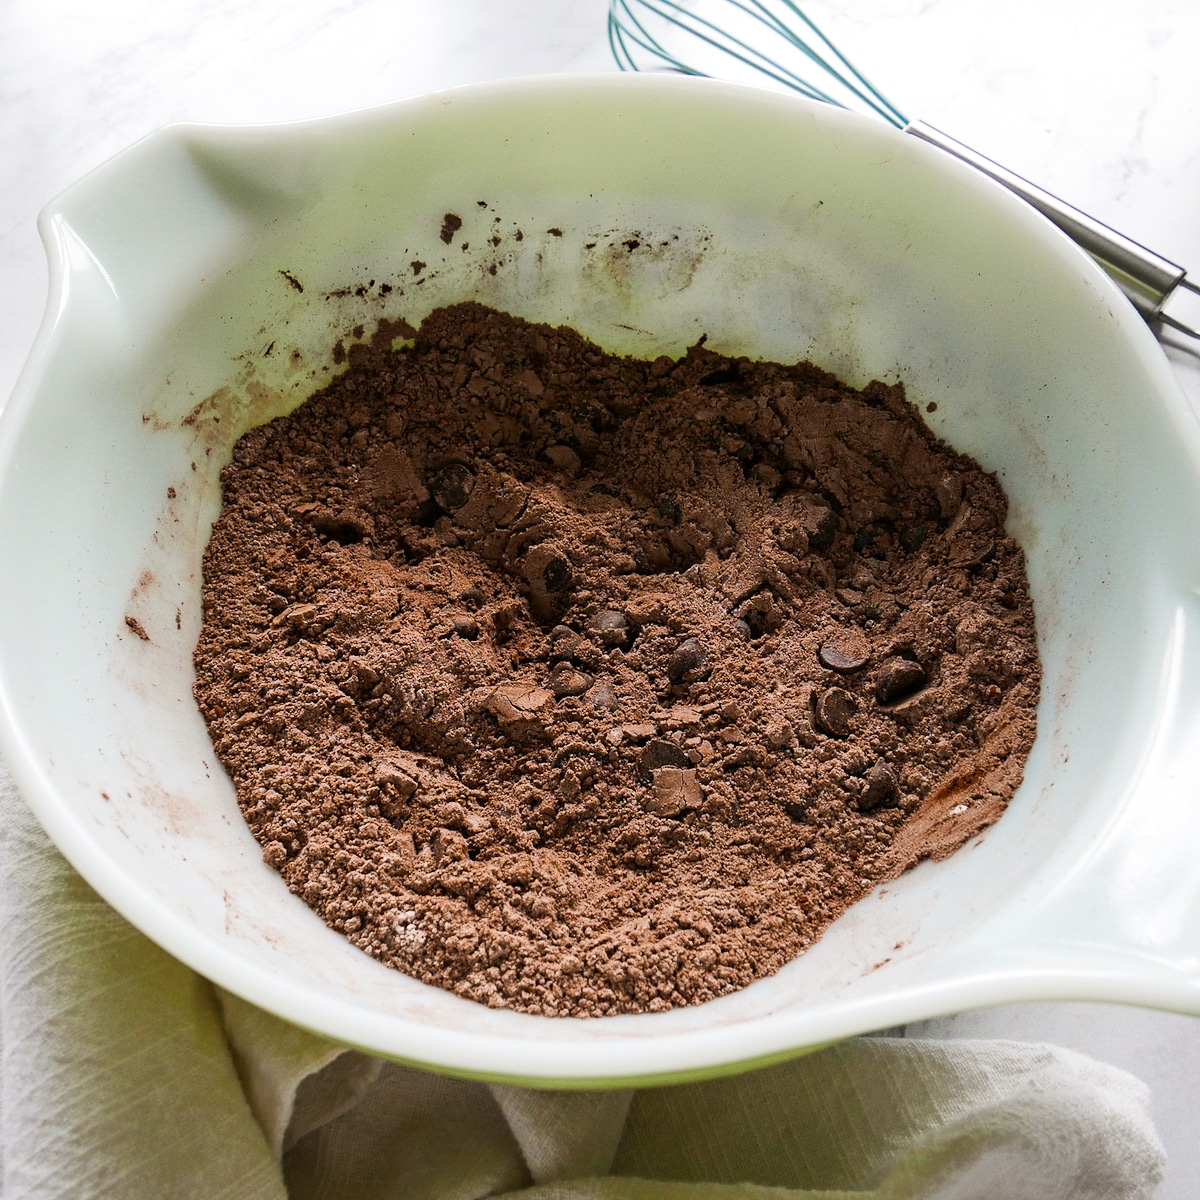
{"x":1100,"y":110}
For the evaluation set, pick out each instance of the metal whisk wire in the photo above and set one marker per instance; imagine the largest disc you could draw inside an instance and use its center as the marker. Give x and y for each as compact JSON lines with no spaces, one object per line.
{"x":639,"y":33}
{"x":645,"y":26}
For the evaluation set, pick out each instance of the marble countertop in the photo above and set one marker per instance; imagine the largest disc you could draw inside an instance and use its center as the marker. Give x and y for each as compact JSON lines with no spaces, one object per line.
{"x":1100,"y":111}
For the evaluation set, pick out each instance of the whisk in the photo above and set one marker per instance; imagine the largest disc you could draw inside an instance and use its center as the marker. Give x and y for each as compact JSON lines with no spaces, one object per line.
{"x":776,"y":40}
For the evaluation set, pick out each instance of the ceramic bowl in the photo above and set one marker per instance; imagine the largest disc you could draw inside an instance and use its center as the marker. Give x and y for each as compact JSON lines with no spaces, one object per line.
{"x":197,"y":284}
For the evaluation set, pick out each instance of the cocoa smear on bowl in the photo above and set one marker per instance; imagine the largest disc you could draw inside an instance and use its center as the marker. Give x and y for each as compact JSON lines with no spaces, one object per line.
{"x":583,"y":685}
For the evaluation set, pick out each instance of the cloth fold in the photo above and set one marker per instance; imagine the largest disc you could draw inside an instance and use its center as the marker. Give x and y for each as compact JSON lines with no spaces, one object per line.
{"x":565,"y":1135}
{"x":295,"y":1081}
{"x":890,"y":1117}
{"x":125,"y":1075}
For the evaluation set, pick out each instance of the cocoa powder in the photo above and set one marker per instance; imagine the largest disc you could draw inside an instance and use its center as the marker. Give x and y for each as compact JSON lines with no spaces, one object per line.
{"x":584,"y":685}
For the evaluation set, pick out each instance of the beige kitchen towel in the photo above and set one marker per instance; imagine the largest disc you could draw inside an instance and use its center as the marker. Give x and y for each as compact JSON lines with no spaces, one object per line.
{"x":872,"y":1118}
{"x":116,"y":1079}
{"x":125,"y":1076}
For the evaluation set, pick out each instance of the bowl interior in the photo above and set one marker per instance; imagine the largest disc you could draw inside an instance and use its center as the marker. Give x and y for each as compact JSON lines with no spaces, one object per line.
{"x":200,"y":281}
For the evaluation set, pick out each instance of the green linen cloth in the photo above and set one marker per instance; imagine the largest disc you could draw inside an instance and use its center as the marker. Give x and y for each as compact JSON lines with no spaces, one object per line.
{"x":123,"y":1074}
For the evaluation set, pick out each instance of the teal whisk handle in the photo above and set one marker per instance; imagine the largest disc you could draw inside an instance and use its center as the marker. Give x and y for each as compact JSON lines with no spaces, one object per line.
{"x":1146,"y":278}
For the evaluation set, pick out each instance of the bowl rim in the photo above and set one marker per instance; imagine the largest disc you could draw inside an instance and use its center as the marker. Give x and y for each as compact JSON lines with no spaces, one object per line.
{"x":997,"y":975}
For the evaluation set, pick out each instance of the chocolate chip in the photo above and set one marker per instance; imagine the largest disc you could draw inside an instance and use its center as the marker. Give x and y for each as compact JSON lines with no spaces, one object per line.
{"x":556,"y":574}
{"x":658,"y":753}
{"x":743,"y":628}
{"x":689,"y":663}
{"x":547,"y":570}
{"x":898,"y":677}
{"x":472,"y":596}
{"x":603,"y":696}
{"x":913,"y":538}
{"x":565,"y":680}
{"x":465,"y":627}
{"x":610,"y":627}
{"x":451,"y":486}
{"x":845,"y":651}
{"x":833,"y":709}
{"x":881,"y":787}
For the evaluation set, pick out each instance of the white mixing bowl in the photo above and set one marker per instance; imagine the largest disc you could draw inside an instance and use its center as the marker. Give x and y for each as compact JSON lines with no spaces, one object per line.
{"x":198,"y":282}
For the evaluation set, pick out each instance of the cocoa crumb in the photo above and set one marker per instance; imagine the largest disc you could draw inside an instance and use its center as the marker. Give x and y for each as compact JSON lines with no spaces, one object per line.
{"x":137,"y":628}
{"x":583,"y":685}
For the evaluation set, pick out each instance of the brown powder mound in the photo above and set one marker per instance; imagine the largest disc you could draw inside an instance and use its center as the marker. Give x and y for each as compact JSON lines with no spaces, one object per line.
{"x":584,"y":685}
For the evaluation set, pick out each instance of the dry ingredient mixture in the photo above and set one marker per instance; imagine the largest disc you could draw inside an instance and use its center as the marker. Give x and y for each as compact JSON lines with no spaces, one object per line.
{"x":584,"y":685}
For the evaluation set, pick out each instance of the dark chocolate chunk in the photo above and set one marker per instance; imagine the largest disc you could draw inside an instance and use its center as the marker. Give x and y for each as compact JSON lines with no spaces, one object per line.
{"x":609,"y":627}
{"x":689,"y":662}
{"x":565,"y":680}
{"x":881,"y":787}
{"x":557,"y":574}
{"x":451,"y":486}
{"x":833,"y":709}
{"x":846,"y":651}
{"x":549,"y":573}
{"x":658,"y":753}
{"x":897,"y":678}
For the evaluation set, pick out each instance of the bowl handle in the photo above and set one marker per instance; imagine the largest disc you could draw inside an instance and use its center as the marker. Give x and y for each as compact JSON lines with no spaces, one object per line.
{"x":173,"y":209}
